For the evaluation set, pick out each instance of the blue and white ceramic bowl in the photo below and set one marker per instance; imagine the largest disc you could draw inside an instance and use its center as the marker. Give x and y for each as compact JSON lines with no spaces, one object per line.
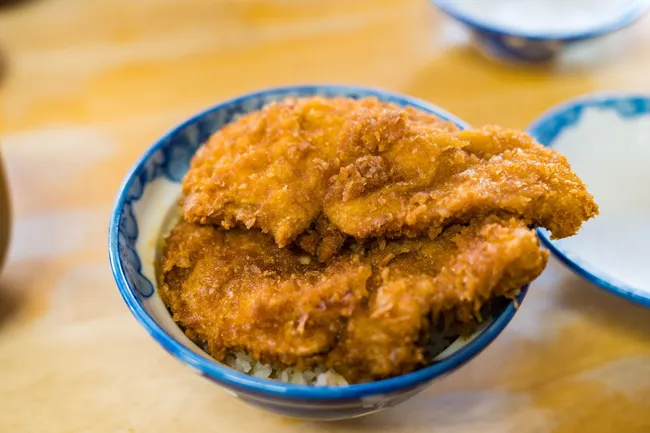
{"x":534,"y":31}
{"x":143,"y":210}
{"x":606,"y":138}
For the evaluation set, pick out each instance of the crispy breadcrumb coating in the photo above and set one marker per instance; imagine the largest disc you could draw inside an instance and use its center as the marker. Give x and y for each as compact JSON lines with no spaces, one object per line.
{"x":345,"y":232}
{"x":363,"y":313}
{"x":318,"y":171}
{"x":271,"y":169}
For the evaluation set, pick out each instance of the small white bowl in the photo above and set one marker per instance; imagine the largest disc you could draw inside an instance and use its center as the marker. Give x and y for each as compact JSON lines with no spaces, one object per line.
{"x":606,"y":138}
{"x":534,"y":31}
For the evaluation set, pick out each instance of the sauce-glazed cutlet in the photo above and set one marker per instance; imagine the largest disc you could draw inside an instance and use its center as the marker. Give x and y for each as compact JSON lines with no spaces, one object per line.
{"x":363,"y":313}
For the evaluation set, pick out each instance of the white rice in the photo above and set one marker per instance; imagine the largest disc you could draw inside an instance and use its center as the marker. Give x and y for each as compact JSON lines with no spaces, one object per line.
{"x":316,"y":377}
{"x":319,"y":376}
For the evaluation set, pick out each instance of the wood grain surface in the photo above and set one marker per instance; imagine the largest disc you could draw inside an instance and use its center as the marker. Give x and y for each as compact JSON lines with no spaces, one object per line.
{"x":87,"y":85}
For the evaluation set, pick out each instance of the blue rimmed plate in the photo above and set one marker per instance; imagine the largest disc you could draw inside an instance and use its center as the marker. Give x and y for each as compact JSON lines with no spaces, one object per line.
{"x":606,"y":138}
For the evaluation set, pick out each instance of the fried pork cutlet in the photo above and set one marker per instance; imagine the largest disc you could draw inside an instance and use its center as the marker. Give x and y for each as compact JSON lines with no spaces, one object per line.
{"x":318,"y":171}
{"x":236,"y":290}
{"x":271,"y":169}
{"x":363,"y":313}
{"x":498,"y":170}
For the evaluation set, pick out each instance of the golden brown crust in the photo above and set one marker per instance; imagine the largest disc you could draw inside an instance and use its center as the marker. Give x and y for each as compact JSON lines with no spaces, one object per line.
{"x":271,"y":169}
{"x":343,"y":231}
{"x":236,"y":290}
{"x":319,"y":170}
{"x":498,"y":170}
{"x":362,"y":313}
{"x":452,"y":276}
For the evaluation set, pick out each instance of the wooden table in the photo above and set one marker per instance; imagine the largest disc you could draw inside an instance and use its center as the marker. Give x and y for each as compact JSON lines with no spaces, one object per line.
{"x":88,"y":85}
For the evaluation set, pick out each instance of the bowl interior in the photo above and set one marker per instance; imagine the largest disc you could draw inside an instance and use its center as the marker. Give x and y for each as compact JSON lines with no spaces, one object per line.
{"x":606,"y":138}
{"x":544,"y":19}
{"x":146,"y":209}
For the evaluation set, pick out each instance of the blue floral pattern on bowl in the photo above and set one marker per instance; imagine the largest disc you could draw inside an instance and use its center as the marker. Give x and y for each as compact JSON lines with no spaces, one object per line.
{"x":151,"y":189}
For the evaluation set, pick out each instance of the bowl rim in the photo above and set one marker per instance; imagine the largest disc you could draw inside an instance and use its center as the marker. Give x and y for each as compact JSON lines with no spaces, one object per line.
{"x":628,"y":16}
{"x":232,"y":378}
{"x":601,"y":100}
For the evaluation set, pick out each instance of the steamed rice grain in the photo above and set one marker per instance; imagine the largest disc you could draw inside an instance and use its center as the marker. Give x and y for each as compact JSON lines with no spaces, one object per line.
{"x":319,"y":375}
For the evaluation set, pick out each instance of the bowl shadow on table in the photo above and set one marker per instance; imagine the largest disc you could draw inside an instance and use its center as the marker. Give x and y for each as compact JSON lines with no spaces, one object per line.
{"x":487,"y":388}
{"x":480,"y":90}
{"x":607,"y":309}
{"x":9,"y":4}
